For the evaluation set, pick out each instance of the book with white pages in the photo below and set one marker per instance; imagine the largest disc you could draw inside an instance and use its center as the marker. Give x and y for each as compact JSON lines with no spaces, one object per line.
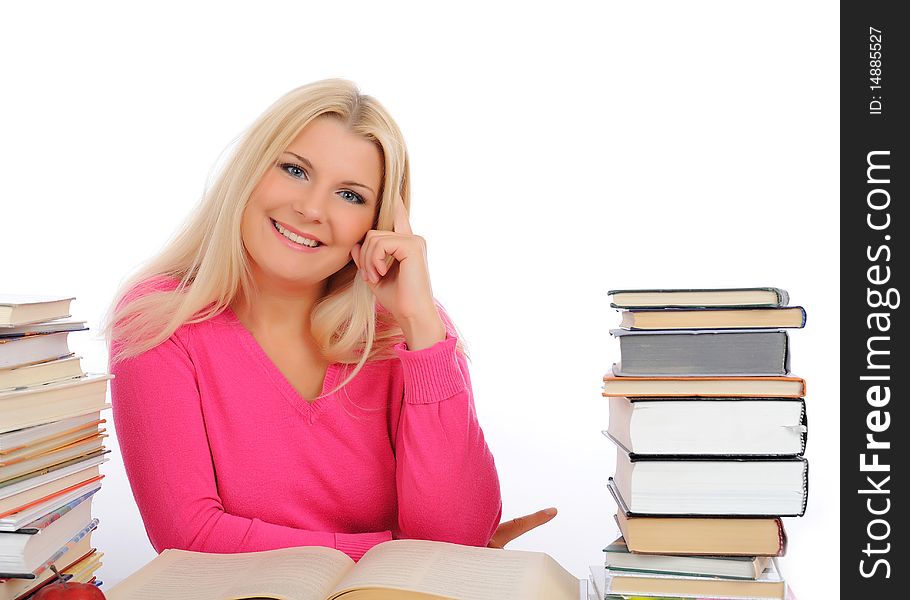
{"x":50,"y":492}
{"x":67,"y":559}
{"x":41,"y":373}
{"x":714,"y":318}
{"x":20,"y":520}
{"x":393,"y":570}
{"x":41,"y":462}
{"x":704,"y":387}
{"x":38,"y":405}
{"x":51,"y":446}
{"x":25,"y":550}
{"x":32,"y":349}
{"x":770,"y":585}
{"x":74,"y":540}
{"x":55,"y":326}
{"x":697,"y":298}
{"x":655,"y":426}
{"x":715,"y":486}
{"x":10,"y":492}
{"x":21,"y":309}
{"x":84,"y":570}
{"x":13,"y":441}
{"x":618,"y":558}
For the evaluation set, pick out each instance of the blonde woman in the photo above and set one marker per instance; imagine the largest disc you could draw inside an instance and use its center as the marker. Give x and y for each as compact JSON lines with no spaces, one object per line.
{"x":284,"y":375}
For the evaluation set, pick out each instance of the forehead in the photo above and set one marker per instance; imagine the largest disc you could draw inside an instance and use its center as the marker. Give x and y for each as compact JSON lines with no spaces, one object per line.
{"x":330,"y":146}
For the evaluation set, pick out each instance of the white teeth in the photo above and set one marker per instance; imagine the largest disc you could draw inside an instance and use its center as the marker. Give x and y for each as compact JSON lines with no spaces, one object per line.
{"x":294,"y":237}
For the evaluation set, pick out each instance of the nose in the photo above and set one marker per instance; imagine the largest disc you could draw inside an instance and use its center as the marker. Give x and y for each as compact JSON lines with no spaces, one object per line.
{"x":310,"y":205}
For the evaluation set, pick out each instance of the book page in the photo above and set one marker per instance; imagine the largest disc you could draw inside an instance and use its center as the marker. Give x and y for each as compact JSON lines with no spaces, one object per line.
{"x":304,"y":573}
{"x":464,"y":572}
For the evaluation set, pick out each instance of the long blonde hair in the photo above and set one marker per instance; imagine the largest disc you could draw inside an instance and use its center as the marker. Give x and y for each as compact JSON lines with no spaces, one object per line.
{"x":207,"y":254}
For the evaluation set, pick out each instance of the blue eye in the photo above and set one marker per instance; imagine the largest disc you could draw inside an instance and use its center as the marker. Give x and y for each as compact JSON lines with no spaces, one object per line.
{"x":291,"y":168}
{"x":284,"y":167}
{"x":354,"y":197}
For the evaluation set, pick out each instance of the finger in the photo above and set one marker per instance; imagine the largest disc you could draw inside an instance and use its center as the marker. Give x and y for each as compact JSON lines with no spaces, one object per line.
{"x":367,"y":254}
{"x":384,"y":247}
{"x":402,"y":222}
{"x":368,"y":250}
{"x":508,"y":531}
{"x":357,"y":255}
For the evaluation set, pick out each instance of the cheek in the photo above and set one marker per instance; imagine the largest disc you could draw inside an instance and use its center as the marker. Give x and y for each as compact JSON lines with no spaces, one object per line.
{"x":354,"y":227}
{"x":251,"y":226}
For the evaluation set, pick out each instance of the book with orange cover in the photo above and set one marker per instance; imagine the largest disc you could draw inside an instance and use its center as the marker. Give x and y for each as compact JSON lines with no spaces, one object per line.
{"x":709,"y":387}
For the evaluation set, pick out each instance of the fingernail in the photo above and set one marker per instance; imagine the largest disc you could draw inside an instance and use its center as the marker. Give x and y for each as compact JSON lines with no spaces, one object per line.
{"x":550,"y":512}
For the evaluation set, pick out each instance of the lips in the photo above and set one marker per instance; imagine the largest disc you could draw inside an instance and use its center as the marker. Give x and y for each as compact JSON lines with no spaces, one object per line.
{"x":294,"y":234}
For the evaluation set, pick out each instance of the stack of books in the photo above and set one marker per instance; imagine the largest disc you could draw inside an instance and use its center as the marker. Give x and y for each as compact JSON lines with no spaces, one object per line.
{"x":51,"y":449}
{"x":710,"y":431}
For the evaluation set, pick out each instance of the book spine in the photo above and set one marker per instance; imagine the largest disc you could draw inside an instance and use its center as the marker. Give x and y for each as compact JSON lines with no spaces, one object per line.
{"x":786,"y":365}
{"x":805,"y":487}
{"x":781,"y":538}
{"x":804,"y":421}
{"x":783,"y":298}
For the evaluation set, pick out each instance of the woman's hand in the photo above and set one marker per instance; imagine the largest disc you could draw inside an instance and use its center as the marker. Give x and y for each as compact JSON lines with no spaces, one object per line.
{"x":402,"y":284}
{"x":509,"y":530}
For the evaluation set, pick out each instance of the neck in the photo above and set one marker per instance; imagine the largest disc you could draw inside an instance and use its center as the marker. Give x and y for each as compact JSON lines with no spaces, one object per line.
{"x":279,"y":311}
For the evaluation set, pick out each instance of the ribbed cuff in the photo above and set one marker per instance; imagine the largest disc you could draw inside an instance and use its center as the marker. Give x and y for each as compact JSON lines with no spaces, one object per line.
{"x":355,"y":545}
{"x":431,"y":374}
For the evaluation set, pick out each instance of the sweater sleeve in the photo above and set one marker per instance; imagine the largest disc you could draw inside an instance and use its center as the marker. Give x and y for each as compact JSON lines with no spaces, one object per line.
{"x":161,"y":433}
{"x":448,"y":488}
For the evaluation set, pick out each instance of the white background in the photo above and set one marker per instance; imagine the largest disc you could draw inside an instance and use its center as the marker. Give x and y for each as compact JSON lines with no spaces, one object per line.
{"x":557,"y":153}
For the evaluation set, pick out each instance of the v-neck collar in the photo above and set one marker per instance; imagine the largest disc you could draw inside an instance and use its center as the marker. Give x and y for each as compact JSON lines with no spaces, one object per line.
{"x":310,"y":410}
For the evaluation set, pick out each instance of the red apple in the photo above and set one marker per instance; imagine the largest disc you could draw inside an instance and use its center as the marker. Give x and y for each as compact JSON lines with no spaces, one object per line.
{"x":64,"y":590}
{"x":69,"y":591}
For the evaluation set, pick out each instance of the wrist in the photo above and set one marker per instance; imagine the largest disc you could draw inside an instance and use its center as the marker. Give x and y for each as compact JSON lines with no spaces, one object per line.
{"x":424,"y":330}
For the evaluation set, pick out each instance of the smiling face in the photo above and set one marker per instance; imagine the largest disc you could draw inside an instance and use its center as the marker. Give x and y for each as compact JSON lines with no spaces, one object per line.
{"x":311,"y":207}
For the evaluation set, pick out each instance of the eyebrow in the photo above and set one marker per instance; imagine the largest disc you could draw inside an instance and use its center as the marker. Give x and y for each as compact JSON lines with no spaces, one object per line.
{"x":310,"y":165}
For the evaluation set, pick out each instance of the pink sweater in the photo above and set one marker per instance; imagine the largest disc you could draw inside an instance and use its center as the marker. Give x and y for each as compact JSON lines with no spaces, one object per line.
{"x":223,"y":455}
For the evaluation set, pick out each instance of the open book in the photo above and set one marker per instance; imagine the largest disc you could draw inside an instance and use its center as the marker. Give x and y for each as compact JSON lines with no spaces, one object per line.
{"x":394,"y":570}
